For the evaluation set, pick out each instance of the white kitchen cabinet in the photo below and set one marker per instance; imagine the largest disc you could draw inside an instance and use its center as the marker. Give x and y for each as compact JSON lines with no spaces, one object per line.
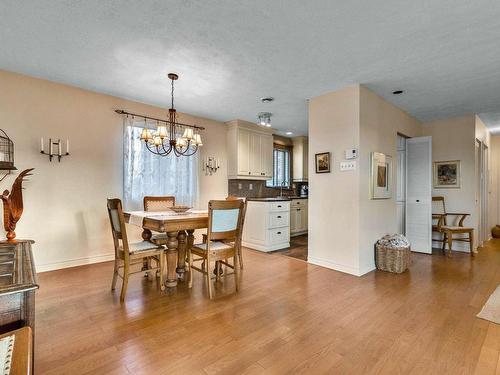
{"x":267,"y":156}
{"x":250,"y":151}
{"x":267,"y":225}
{"x":298,"y":217}
{"x":243,"y":152}
{"x":300,"y":159}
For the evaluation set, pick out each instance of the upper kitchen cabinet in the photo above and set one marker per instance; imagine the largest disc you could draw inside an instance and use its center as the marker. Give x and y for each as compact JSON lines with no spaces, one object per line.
{"x":250,"y":151}
{"x":300,"y":159}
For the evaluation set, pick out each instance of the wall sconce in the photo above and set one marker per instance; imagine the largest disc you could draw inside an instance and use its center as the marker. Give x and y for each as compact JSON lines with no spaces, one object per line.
{"x":57,"y":145}
{"x":210,"y":165}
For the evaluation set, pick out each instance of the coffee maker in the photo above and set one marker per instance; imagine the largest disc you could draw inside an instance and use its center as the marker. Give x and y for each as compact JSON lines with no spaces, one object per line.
{"x":304,"y":190}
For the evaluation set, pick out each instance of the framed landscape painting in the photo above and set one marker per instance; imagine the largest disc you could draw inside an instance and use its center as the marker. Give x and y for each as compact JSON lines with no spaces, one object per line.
{"x":380,"y":176}
{"x":323,"y":162}
{"x":446,"y":174}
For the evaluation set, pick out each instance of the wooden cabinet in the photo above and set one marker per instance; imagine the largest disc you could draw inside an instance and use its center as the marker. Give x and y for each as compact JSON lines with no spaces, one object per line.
{"x":17,"y":287}
{"x":300,"y":159}
{"x":250,"y":151}
{"x":298,"y":217}
{"x":267,"y":225}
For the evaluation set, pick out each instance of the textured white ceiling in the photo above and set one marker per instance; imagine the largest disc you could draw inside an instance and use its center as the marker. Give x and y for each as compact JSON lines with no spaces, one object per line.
{"x":444,"y":53}
{"x":492,"y":121}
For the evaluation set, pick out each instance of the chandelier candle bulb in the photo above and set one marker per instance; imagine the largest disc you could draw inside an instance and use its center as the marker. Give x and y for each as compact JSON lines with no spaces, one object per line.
{"x":67,"y":146}
{"x":162,"y":131}
{"x":59,"y":147}
{"x":188,"y":134}
{"x":197,"y":140}
{"x":41,"y":144}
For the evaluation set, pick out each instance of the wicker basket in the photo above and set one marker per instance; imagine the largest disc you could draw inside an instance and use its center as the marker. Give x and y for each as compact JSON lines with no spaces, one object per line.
{"x":392,"y":259}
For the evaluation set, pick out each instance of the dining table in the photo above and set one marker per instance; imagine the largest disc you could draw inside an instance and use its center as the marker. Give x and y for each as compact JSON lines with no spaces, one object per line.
{"x":179,"y":228}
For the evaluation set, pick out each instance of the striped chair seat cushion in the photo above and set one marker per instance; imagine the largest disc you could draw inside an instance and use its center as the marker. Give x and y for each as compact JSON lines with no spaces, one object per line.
{"x":159,"y":236}
{"x":136,"y":247}
{"x":214,"y":245}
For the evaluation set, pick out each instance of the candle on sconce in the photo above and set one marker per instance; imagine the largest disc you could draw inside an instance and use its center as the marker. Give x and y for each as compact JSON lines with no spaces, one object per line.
{"x":50,"y":146}
{"x":67,"y":146}
{"x":41,"y":144}
{"x":59,"y":152}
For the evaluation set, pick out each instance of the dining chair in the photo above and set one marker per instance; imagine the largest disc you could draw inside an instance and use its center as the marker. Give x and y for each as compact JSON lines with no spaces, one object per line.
{"x":129,"y":254}
{"x":440,"y":225}
{"x":238,"y":245}
{"x":225,"y":225}
{"x":158,"y":204}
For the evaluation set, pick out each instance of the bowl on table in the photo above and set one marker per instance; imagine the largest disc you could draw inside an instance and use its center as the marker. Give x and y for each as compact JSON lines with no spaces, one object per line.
{"x":180,"y":209}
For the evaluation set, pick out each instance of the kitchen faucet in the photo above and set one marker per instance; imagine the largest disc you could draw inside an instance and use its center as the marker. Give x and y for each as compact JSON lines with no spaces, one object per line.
{"x":284,"y":183}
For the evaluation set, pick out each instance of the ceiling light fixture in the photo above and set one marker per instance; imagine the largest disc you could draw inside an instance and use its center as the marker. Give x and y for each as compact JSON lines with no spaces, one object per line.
{"x":397,"y":92}
{"x":267,"y":99}
{"x":170,"y":136}
{"x":289,"y":133}
{"x":264,"y":119}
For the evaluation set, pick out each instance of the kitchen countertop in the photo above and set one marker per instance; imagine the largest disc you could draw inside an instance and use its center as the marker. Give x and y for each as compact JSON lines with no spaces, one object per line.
{"x":275,"y":199}
{"x":272,"y":199}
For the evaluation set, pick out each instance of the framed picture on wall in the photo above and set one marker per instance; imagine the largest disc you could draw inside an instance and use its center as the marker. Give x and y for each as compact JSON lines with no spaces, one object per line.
{"x":446,"y":174}
{"x":380,"y":176}
{"x":323,"y":162}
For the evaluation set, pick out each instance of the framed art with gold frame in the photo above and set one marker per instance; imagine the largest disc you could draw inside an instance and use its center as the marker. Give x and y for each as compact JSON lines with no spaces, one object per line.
{"x":380,"y":176}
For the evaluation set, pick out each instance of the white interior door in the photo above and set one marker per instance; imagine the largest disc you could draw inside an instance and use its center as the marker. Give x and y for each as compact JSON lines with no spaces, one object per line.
{"x":419,"y":193}
{"x":401,"y":184}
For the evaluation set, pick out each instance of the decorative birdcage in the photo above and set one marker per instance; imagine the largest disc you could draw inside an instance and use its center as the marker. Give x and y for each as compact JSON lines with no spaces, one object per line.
{"x":6,"y":152}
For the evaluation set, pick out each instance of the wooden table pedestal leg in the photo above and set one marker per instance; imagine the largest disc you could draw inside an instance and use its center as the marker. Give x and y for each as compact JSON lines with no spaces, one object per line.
{"x":181,"y":253}
{"x":190,"y":242}
{"x":171,"y":259}
{"x":146,"y":236}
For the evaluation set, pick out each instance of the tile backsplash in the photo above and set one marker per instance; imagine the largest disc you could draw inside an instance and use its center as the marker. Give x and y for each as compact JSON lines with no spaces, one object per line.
{"x":258,"y":189}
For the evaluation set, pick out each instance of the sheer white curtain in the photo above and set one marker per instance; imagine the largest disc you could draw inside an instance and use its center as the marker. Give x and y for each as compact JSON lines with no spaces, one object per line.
{"x":147,"y":174}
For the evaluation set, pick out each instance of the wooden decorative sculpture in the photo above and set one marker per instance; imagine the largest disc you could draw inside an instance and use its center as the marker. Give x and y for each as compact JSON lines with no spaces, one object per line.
{"x":13,"y":204}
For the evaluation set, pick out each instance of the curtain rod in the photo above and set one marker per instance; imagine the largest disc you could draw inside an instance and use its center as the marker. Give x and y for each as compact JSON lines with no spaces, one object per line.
{"x":122,"y":112}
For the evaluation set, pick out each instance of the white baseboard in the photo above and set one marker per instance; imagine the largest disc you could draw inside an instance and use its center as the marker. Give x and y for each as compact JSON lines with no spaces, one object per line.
{"x":340,"y":267}
{"x":74,"y":262}
{"x":265,"y":249}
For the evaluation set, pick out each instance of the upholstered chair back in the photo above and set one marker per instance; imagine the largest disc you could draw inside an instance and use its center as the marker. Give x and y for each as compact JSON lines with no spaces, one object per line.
{"x":158,"y":203}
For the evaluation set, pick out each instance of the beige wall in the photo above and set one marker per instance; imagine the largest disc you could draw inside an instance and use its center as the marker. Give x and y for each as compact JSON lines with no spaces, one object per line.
{"x":453,"y":139}
{"x":344,"y":223}
{"x":65,"y":202}
{"x":380,"y":122}
{"x":494,"y":207}
{"x":333,"y":198}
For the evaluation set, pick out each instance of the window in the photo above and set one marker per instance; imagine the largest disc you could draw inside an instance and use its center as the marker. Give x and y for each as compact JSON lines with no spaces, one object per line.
{"x":147,"y":174}
{"x":281,"y":168}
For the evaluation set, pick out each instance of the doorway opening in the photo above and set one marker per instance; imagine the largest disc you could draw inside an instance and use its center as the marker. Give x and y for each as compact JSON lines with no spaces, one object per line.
{"x":482,"y":192}
{"x":401,"y":183}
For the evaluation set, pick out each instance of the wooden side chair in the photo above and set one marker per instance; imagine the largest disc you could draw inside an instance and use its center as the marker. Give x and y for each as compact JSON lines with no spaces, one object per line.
{"x":238,"y":246}
{"x":128,"y":254}
{"x":225,"y":224}
{"x":440,"y":225}
{"x":158,"y":204}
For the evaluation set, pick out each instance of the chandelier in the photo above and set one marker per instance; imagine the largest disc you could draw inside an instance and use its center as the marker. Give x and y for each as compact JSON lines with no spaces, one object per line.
{"x":264,"y":119}
{"x":171,"y":136}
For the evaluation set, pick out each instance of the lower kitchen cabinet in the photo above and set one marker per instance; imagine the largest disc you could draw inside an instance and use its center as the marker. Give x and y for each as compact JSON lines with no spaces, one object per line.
{"x":298,"y":217}
{"x":267,"y":225}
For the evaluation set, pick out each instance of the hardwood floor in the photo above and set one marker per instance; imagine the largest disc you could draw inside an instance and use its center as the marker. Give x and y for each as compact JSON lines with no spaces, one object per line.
{"x":289,"y":317}
{"x":297,"y":249}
